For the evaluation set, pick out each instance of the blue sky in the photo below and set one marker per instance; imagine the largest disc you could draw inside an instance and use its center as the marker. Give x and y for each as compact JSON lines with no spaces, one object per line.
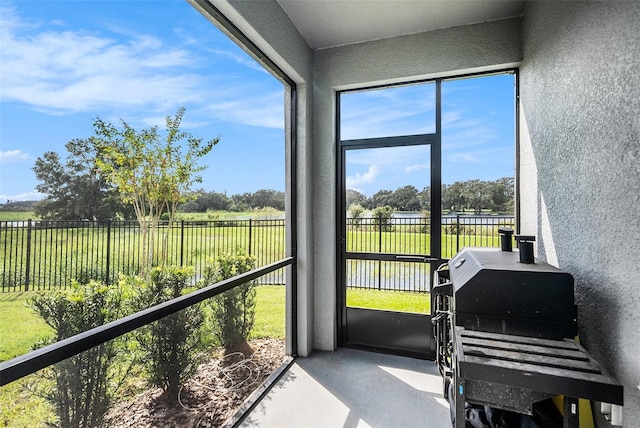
{"x":477,"y":136}
{"x":64,"y":63}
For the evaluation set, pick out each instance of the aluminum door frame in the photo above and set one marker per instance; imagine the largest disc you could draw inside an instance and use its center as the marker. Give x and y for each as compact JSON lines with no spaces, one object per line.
{"x":378,"y":329}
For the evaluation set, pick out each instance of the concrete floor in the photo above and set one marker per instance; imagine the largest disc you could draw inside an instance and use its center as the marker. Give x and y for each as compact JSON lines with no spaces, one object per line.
{"x":350,"y":388}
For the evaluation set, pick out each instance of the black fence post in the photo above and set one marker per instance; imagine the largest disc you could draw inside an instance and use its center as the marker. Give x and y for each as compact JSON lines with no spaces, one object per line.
{"x":457,"y":232}
{"x":250,"y":233}
{"x":28,"y":258}
{"x":380,"y":250}
{"x":107,"y":280}
{"x":181,"y":242}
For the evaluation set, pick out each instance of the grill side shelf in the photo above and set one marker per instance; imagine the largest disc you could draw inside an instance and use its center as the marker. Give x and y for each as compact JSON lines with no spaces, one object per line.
{"x":509,"y":338}
{"x":501,"y":362}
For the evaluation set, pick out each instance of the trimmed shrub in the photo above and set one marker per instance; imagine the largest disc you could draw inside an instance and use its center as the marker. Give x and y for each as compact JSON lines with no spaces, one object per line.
{"x":172,"y":347}
{"x":233,"y":311}
{"x":86,"y":383}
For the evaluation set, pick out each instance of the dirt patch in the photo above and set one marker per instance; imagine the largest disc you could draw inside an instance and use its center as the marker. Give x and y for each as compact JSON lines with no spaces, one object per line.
{"x":212,"y":396}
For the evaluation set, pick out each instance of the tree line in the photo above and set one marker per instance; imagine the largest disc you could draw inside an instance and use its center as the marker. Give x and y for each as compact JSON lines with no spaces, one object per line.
{"x":471,"y":195}
{"x":205,"y":201}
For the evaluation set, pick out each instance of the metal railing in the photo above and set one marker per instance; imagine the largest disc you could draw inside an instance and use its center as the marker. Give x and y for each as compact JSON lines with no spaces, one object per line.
{"x":36,"y":360}
{"x":42,"y":255}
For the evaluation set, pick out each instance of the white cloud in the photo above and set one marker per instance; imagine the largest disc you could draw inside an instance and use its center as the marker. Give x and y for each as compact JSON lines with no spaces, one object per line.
{"x":13,"y":156}
{"x":258,"y":110}
{"x":382,"y":113}
{"x":358,"y":180}
{"x":89,"y":71}
{"x":59,"y":71}
{"x":416,"y":167}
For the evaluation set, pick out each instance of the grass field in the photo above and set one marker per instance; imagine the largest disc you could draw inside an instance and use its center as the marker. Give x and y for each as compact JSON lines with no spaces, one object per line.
{"x":20,"y":327}
{"x":17,"y":215}
{"x":399,"y":301}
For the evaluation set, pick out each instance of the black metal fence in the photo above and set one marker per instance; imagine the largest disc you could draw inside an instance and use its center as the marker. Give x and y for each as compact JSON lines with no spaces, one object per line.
{"x":41,"y":255}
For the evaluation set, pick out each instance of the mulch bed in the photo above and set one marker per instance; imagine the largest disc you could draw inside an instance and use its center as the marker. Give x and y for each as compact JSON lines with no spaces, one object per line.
{"x":212,"y":396}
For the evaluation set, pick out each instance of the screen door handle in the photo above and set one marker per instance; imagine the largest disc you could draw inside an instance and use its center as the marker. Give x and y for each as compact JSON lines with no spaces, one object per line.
{"x":423,"y":259}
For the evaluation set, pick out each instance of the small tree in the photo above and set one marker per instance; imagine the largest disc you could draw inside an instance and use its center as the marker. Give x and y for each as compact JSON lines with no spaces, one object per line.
{"x":172,"y":346}
{"x":152,"y":173}
{"x":234,"y":310}
{"x":383,"y":217}
{"x":86,"y":383}
{"x":355,"y":212}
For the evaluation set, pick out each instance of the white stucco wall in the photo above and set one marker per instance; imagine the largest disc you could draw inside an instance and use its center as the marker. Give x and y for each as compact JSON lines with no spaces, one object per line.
{"x":480,"y":47}
{"x":474,"y":48}
{"x":580,"y":158}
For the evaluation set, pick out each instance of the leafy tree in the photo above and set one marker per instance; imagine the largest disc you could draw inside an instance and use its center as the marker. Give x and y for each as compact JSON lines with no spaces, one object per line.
{"x":479,"y":195}
{"x":76,"y":189}
{"x":406,"y":199}
{"x":151,"y":171}
{"x":242,"y":201}
{"x":381,"y":199}
{"x":268,"y":198}
{"x":503,"y":194}
{"x":476,"y":195}
{"x":453,"y":197}
{"x":203,"y":201}
{"x":424,"y":197}
{"x":355,"y":197}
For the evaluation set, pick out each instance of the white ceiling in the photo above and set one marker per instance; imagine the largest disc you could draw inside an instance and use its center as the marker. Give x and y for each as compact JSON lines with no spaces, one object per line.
{"x":329,"y":23}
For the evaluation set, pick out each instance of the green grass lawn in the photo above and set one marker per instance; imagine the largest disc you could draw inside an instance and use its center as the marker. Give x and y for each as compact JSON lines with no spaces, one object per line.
{"x":270,"y":312}
{"x":400,"y":301}
{"x":17,"y":215}
{"x":20,"y":327}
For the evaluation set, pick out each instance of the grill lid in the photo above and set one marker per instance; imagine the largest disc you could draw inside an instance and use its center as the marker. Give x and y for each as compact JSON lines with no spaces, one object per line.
{"x":492,"y":291}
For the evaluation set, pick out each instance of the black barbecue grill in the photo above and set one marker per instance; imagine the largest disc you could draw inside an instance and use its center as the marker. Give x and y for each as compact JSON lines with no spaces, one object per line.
{"x":505,"y":327}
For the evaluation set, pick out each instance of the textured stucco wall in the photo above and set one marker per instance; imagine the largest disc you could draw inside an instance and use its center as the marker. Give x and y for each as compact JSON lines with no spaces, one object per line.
{"x":478,"y":47}
{"x":580,"y":143}
{"x":266,"y":25}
